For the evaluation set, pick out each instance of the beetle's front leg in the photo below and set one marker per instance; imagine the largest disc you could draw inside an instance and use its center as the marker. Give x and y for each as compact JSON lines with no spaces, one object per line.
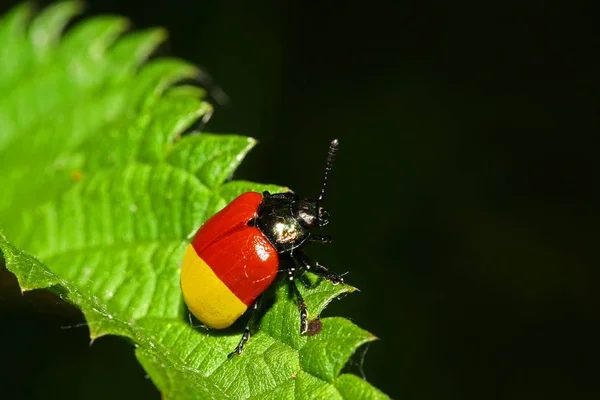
{"x":321,"y":239}
{"x":317,"y":268}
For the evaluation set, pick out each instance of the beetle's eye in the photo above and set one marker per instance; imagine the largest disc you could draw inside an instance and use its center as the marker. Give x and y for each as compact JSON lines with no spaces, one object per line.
{"x":306,"y":214}
{"x":307,"y":219}
{"x":323,"y":216}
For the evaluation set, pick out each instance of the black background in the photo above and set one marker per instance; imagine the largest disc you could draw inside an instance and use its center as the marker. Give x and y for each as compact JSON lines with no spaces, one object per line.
{"x":463,"y":200}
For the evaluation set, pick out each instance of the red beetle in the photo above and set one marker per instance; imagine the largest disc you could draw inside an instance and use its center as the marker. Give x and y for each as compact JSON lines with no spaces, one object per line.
{"x":234,"y":256}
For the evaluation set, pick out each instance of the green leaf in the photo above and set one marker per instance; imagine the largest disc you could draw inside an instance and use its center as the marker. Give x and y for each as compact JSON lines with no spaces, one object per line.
{"x":102,"y":188}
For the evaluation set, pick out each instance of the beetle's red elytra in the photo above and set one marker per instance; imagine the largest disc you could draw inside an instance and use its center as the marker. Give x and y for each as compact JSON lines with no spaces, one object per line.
{"x":228,"y":264}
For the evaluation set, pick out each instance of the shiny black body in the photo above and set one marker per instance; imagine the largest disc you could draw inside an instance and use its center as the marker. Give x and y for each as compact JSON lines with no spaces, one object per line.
{"x":285,"y":220}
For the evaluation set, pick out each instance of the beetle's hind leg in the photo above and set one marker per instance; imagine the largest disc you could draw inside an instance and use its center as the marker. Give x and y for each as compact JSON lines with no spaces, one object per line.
{"x":246,"y":335}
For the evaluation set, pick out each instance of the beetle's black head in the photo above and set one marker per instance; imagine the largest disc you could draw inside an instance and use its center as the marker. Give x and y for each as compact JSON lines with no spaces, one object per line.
{"x":308,"y":213}
{"x":285,"y":219}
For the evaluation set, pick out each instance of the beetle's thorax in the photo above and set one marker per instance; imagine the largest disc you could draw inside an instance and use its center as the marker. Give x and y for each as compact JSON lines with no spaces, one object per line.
{"x":279,"y":223}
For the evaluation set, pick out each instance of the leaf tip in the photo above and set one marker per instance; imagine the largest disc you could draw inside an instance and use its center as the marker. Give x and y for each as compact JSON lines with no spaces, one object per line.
{"x":24,"y":288}
{"x":350,"y":289}
{"x":95,"y":334}
{"x":160,"y":34}
{"x":155,"y":36}
{"x":72,"y":7}
{"x":23,"y":11}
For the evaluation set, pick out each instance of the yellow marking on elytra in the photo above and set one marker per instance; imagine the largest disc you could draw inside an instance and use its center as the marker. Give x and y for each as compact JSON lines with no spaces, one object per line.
{"x":207,"y":297}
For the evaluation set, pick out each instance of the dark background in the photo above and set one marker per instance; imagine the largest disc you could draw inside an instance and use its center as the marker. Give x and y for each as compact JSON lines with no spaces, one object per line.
{"x":463,"y":200}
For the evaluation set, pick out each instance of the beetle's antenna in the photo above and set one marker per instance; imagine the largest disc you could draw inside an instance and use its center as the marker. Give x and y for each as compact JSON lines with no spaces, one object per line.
{"x":333,"y":148}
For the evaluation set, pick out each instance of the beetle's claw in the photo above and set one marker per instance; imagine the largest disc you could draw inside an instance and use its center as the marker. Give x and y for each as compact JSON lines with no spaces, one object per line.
{"x":236,"y":352}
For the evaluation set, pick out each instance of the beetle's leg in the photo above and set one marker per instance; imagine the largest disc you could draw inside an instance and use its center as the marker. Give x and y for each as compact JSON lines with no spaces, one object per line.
{"x":301,"y":305}
{"x":324,"y":272}
{"x":306,"y":282}
{"x":192,"y":322}
{"x":321,"y":239}
{"x":246,"y":335}
{"x":317,"y":268}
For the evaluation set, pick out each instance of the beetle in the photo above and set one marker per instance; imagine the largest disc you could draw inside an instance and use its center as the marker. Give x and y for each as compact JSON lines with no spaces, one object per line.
{"x":235,"y":256}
